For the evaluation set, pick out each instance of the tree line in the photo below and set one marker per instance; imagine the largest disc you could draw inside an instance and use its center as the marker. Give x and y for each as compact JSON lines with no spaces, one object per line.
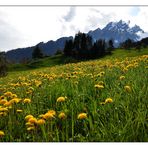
{"x":128,"y":44}
{"x":83,"y":47}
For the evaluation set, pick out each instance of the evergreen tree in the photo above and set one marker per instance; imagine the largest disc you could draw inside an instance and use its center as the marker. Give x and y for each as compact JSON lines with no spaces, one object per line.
{"x":37,"y":53}
{"x":3,"y":64}
{"x":127,"y":44}
{"x":82,"y":47}
{"x":110,"y":45}
{"x":68,"y":48}
{"x":100,"y":48}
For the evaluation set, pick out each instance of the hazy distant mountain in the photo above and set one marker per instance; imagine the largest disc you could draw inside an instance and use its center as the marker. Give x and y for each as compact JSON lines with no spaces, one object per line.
{"x":49,"y":48}
{"x":117,"y":31}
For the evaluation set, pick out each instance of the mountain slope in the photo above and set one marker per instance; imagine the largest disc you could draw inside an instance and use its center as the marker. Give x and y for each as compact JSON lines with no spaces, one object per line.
{"x":49,"y":48}
{"x":117,"y":31}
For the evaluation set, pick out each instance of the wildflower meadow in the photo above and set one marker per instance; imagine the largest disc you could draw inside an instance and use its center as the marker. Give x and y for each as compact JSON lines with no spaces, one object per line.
{"x":102,"y":100}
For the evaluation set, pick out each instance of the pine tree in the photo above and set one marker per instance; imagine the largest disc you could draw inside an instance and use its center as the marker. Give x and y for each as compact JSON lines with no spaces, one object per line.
{"x":110,"y":45}
{"x":37,"y":53}
{"x":68,"y":48}
{"x":3,"y":64}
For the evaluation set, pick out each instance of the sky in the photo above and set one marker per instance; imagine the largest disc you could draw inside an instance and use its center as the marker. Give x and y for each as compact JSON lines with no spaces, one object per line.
{"x":27,"y":26}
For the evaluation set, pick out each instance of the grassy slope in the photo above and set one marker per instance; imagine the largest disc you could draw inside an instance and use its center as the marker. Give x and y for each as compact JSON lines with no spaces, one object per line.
{"x":60,"y":60}
{"x":123,"y":120}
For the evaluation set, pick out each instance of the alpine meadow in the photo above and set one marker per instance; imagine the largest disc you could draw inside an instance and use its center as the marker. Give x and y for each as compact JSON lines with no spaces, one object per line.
{"x":90,"y":87}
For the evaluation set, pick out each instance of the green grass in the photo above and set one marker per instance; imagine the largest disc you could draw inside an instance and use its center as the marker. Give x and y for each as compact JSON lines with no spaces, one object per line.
{"x":61,"y":60}
{"x":125,"y":119}
{"x":40,"y":63}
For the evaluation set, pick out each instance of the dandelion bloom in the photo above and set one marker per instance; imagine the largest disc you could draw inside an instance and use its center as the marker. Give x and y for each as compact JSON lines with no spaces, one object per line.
{"x":15,"y":100}
{"x":8,"y":94}
{"x":32,"y":120}
{"x":2,"y":97}
{"x":99,"y":86}
{"x":61,"y":99}
{"x":3,"y":114}
{"x":14,"y":96}
{"x":28,"y":117}
{"x":52,"y":112}
{"x":122,"y":77}
{"x":3,"y":109}
{"x":108,"y":100}
{"x":62,"y":115}
{"x":101,"y":83}
{"x":40,"y":122}
{"x":82,"y":116}
{"x":31,"y":128}
{"x":48,"y":116}
{"x":19,"y":110}
{"x":7,"y":104}
{"x":102,"y":73}
{"x":41,"y":116}
{"x":127,"y":88}
{"x":38,"y":83}
{"x":3,"y":101}
{"x":29,"y":124}
{"x":102,"y":103}
{"x":27,"y":100}
{"x":2,"y":133}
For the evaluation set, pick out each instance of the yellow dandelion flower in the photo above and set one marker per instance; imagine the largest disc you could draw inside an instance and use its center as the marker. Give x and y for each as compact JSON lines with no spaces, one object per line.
{"x":8,"y":94}
{"x":32,"y":120}
{"x":122,"y":77}
{"x":82,"y":116}
{"x":2,"y":97}
{"x":102,"y":73}
{"x":41,"y":116}
{"x":101,"y":83}
{"x":102,"y":103}
{"x":14,"y":96}
{"x":52,"y":112}
{"x":7,"y":104}
{"x":61,"y":99}
{"x":62,"y":115}
{"x":1,"y":133}
{"x":48,"y":116}
{"x":99,"y":86}
{"x":127,"y":88}
{"x":31,"y":128}
{"x":27,"y":100}
{"x":29,"y":92}
{"x":15,"y":100}
{"x":125,"y":69}
{"x":3,"y":109}
{"x":19,"y":110}
{"x":108,"y":100}
{"x":28,"y":117}
{"x":29,"y":124}
{"x":3,"y":114}
{"x":38,"y":83}
{"x":3,"y":101}
{"x":40,"y":122}
{"x":31,"y":88}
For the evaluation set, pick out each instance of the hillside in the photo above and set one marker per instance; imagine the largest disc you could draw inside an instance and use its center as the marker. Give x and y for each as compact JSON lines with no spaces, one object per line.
{"x":61,"y":59}
{"x":102,"y":100}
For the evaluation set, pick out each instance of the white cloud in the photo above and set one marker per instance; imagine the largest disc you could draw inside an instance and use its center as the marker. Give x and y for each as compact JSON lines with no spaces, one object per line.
{"x":27,"y":26}
{"x":70,"y":15}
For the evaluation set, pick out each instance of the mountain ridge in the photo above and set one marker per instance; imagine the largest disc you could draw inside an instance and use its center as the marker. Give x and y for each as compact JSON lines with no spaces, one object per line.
{"x":117,"y":31}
